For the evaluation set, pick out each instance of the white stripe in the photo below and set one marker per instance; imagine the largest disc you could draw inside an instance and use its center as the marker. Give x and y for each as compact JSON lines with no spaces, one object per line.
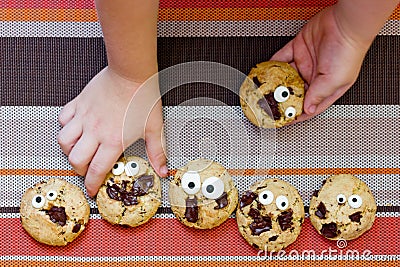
{"x":262,"y":258}
{"x":170,"y":28}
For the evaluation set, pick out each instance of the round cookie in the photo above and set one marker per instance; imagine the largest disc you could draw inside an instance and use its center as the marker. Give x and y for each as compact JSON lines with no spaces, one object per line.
{"x":54,"y":212}
{"x":131,"y":193}
{"x":202,"y":194}
{"x":272,"y":95}
{"x":344,"y":208}
{"x":270,"y":215}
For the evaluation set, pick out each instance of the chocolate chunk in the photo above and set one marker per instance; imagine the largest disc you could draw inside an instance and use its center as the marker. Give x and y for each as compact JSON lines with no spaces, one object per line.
{"x":291,"y":90}
{"x":57,"y":215}
{"x":285,"y":220}
{"x":356,"y":217}
{"x":260,"y":225}
{"x":113,"y":191}
{"x":273,"y":238}
{"x":256,"y":81}
{"x":315,"y":193}
{"x":247,"y":198}
{"x":192,"y":210}
{"x":222,"y":201}
{"x":329,"y":230}
{"x":76,"y":228}
{"x":321,"y":211}
{"x":253,"y":213}
{"x":270,"y":106}
{"x":129,"y":199}
{"x":142,"y":185}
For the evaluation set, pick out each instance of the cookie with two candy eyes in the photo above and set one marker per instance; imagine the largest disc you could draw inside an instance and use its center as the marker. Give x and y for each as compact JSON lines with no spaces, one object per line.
{"x":344,"y":208}
{"x":54,"y":212}
{"x":202,"y":194}
{"x":131,"y":193}
{"x":270,"y":215}
{"x":272,"y":95}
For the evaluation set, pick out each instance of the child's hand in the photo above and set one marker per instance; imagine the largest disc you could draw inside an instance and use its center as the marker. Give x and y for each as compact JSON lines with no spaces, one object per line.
{"x":327,"y":57}
{"x":94,"y":135}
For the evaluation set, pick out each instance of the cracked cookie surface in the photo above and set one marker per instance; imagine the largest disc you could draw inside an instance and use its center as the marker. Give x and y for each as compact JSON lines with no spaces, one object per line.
{"x":131,"y":193}
{"x":344,"y":208}
{"x":270,"y":215}
{"x":202,"y":194}
{"x":272,"y":94}
{"x":54,"y":212}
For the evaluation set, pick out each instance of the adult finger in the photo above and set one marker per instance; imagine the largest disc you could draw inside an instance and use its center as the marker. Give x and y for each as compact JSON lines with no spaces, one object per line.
{"x":285,"y":54}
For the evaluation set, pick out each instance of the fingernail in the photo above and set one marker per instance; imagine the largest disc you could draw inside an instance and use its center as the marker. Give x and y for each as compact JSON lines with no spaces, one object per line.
{"x":312,"y":108}
{"x":164,"y":170}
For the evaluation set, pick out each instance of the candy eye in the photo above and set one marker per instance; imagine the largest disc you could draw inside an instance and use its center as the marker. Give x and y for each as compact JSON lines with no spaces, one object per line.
{"x":341,"y":199}
{"x":355,"y":201}
{"x":282,"y":202}
{"x":191,"y":182}
{"x":38,"y":201}
{"x":212,"y":188}
{"x":281,"y":94}
{"x":290,"y":112}
{"x":118,"y":168}
{"x":266,"y":197}
{"x":51,"y":195}
{"x":132,"y":168}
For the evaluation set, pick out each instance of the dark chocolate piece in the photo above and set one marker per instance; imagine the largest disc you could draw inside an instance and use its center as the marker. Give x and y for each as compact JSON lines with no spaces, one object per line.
{"x":260,"y":225}
{"x":285,"y":220}
{"x":270,"y":106}
{"x":356,"y":217}
{"x":329,"y":230}
{"x":247,"y":198}
{"x":321,"y":211}
{"x":57,"y":215}
{"x":222,"y":201}
{"x":192,"y":210}
{"x":76,"y":228}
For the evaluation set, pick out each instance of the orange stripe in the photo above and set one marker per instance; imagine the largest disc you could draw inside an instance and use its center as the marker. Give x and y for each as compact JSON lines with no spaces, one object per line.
{"x":172,"y":14}
{"x":289,"y":263}
{"x":234,"y":172}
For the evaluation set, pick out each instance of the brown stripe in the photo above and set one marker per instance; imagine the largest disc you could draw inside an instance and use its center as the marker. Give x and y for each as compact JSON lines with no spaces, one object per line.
{"x":56,"y":69}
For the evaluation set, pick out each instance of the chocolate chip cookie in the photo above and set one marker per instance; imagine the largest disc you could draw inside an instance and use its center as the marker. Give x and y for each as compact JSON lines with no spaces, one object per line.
{"x":270,"y":215}
{"x":131,"y":193}
{"x":272,"y":94}
{"x":54,"y":212}
{"x":202,"y":194}
{"x":344,"y":208}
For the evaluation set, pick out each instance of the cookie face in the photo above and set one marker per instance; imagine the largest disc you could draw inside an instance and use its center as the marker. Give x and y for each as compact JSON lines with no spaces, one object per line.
{"x":270,"y":215}
{"x":202,"y":194}
{"x":131,"y":193}
{"x":344,"y":208}
{"x":54,"y":212}
{"x":272,"y":95}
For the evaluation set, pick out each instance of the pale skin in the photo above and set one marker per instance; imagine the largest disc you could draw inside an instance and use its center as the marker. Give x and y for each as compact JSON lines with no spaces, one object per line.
{"x":327,"y":52}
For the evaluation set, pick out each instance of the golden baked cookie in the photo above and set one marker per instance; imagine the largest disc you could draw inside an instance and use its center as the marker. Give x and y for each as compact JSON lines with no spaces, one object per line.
{"x":202,"y":194}
{"x":272,"y":94}
{"x":54,"y":212}
{"x":270,"y":215}
{"x":344,"y":208}
{"x":131,"y":193}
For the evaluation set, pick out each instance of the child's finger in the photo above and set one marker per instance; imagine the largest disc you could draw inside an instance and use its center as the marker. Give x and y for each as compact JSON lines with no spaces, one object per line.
{"x":82,"y":153}
{"x":101,"y":164}
{"x":69,"y":135}
{"x":67,"y":113}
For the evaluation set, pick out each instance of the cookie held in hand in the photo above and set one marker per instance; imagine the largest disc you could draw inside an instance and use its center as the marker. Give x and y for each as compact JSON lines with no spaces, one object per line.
{"x":131,"y":193}
{"x":270,"y":215}
{"x":344,"y":208}
{"x":202,"y":194}
{"x":272,"y":94}
{"x":54,"y":212}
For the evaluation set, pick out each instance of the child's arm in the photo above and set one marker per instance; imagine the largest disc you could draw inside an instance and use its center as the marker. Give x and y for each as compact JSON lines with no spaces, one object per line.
{"x":93,"y":123}
{"x":329,"y":50}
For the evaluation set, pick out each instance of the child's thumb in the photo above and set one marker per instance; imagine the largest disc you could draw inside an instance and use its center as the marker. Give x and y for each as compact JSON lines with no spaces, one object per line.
{"x":319,"y":90}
